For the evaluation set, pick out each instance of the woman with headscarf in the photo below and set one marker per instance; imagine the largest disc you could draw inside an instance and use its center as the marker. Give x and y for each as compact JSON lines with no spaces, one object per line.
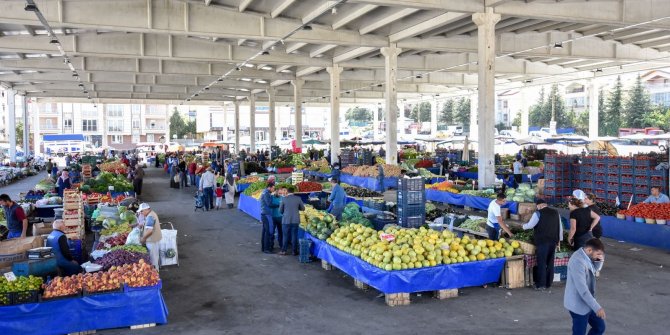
{"x":582,"y":222}
{"x":230,"y":194}
{"x":63,"y":182}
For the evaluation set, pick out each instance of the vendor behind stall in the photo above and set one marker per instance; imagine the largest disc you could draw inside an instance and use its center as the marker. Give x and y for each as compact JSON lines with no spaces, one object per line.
{"x":495,"y":220}
{"x":17,"y":222}
{"x":657,"y":197}
{"x":151,"y":235}
{"x":57,"y":241}
{"x":337,"y":199}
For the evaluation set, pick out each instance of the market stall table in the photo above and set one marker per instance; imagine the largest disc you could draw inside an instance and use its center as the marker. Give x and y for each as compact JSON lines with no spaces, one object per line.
{"x":250,"y":206}
{"x":369,"y":182}
{"x":467,"y":200}
{"x":133,"y":306}
{"x":434,"y":278}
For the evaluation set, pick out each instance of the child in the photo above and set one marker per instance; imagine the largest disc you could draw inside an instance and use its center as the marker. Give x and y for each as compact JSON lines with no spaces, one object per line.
{"x":219,"y":178}
{"x":219,"y":195}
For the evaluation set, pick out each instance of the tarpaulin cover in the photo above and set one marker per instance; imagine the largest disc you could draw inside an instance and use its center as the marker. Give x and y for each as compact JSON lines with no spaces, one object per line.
{"x":653,"y":235}
{"x":415,"y":280}
{"x":467,"y":200}
{"x":113,"y":310}
{"x":475,"y":175}
{"x":250,"y":205}
{"x":317,"y":174}
{"x":241,"y":187}
{"x":369,"y":182}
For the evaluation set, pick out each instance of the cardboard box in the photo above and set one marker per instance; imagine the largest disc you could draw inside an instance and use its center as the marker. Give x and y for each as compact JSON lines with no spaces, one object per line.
{"x":526,"y":210}
{"x":540,"y":186}
{"x":504,"y":212}
{"x":14,"y":250}
{"x":42,"y":228}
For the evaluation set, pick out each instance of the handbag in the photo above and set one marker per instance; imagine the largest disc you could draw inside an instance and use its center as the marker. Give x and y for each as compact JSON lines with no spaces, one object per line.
{"x":225,"y":188}
{"x":177,"y":179}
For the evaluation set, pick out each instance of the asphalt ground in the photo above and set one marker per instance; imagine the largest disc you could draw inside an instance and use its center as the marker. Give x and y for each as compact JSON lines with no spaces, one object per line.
{"x":225,"y":285}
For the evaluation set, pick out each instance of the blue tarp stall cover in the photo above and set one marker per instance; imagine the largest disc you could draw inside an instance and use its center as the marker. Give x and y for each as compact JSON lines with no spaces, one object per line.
{"x":135,"y":306}
{"x":415,"y":280}
{"x":467,"y":200}
{"x":249,"y":205}
{"x":652,"y":235}
{"x":369,"y":182}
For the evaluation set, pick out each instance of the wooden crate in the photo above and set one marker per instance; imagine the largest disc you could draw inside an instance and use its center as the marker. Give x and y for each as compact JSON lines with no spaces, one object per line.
{"x":70,"y":205}
{"x":326,"y":266}
{"x":514,"y":273}
{"x":445,"y":294}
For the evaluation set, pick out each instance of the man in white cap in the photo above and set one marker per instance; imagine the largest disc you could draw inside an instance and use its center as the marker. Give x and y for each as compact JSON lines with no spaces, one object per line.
{"x":151,"y":233}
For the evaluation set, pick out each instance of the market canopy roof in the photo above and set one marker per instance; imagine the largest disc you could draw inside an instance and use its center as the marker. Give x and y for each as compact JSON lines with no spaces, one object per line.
{"x":170,"y":50}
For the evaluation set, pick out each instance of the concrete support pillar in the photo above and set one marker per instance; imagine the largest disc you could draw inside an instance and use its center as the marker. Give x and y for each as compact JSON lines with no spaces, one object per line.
{"x":26,"y":127}
{"x":486,"y":39}
{"x":335,"y":72}
{"x":272,"y":124}
{"x":11,"y":123}
{"x":525,"y":106}
{"x":376,"y":108}
{"x":37,"y":138}
{"x":168,"y":114}
{"x":593,"y":109}
{"x":252,"y":123}
{"x":237,"y":126}
{"x":391,"y":68}
{"x":225,"y":122}
{"x":434,"y":107}
{"x":297,"y":96}
{"x":103,"y":123}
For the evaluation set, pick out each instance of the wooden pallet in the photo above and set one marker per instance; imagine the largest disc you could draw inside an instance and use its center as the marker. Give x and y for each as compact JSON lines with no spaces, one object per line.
{"x":514,"y":273}
{"x":87,"y":332}
{"x":397,"y":299}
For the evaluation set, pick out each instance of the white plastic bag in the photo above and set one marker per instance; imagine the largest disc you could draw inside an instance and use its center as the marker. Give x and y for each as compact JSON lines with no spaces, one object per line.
{"x":134,"y":237}
{"x":168,"y":247}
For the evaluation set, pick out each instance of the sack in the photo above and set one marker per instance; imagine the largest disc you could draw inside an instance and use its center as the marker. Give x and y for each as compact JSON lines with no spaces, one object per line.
{"x":177,"y":179}
{"x":134,"y":237}
{"x":168,"y":247}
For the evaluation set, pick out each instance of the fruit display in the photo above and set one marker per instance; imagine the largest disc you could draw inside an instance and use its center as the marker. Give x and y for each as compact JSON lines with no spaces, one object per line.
{"x":249,"y":180}
{"x":113,"y":167}
{"x":351,"y":169}
{"x":524,"y":193}
{"x":63,"y":286}
{"x":100,"y":282}
{"x":424,"y":163}
{"x":290,"y":187}
{"x":648,"y":211}
{"x":352,"y":215}
{"x":433,"y":212}
{"x":140,"y":274}
{"x":45,"y":185}
{"x":119,"y":257}
{"x":445,"y":186}
{"x":131,"y":248}
{"x":373,"y":171}
{"x":108,"y":242}
{"x":21,"y":284}
{"x":478,"y":224}
{"x":359,"y":192}
{"x":102,"y":182}
{"x":397,"y":248}
{"x":254,"y":187}
{"x":319,"y":223}
{"x":427,"y":174}
{"x":320,"y":166}
{"x":309,"y":186}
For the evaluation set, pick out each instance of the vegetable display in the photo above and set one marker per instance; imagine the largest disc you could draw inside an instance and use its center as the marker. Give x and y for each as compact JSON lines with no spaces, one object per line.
{"x":119,"y":257}
{"x":21,"y":284}
{"x":131,"y":248}
{"x":358,"y":192}
{"x":648,"y":211}
{"x":289,"y":187}
{"x":249,"y":180}
{"x":45,"y":185}
{"x":318,"y":223}
{"x":102,"y":182}
{"x":522,"y":194}
{"x":487,"y":193}
{"x":320,"y":166}
{"x":257,"y":186}
{"x":352,"y":215}
{"x":478,"y":225}
{"x":445,"y":186}
{"x":373,"y":171}
{"x":425,"y":163}
{"x":309,"y":186}
{"x":113,"y":167}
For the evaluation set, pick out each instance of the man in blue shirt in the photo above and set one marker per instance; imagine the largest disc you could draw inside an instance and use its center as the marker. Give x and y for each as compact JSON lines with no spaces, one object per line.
{"x":337,"y":199}
{"x":657,"y":197}
{"x":267,"y":235}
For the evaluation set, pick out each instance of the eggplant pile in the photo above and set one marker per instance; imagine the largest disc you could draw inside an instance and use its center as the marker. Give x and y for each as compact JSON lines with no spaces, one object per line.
{"x":120,"y":257}
{"x":358,"y":192}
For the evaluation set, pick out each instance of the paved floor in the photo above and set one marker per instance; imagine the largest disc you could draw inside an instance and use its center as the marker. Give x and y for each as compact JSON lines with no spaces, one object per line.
{"x":225,"y":285}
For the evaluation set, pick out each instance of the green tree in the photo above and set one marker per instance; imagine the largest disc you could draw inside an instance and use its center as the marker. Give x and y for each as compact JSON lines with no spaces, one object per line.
{"x":614,"y":110}
{"x":541,"y":112}
{"x":462,"y":112}
{"x":19,"y":134}
{"x":358,"y":115}
{"x":446,"y":116}
{"x":536,"y":116}
{"x":421,"y":112}
{"x":658,"y":117}
{"x":177,"y":124}
{"x":517,"y":120}
{"x":602,"y":113}
{"x":638,"y":106}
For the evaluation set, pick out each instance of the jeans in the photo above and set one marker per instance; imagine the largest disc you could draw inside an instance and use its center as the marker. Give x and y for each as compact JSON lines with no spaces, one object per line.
{"x":14,"y":234}
{"x":192,"y":177}
{"x":579,"y":323}
{"x":277,"y":226}
{"x":494,"y":233}
{"x":337,"y":212}
{"x":208,"y":193}
{"x":266,"y":234}
{"x":545,"y":253}
{"x":183,"y":180}
{"x":290,"y":234}
{"x":137,"y":187}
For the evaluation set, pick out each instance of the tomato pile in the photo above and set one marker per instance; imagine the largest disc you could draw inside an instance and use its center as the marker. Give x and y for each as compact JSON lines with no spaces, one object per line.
{"x":649,"y":211}
{"x":308,"y":186}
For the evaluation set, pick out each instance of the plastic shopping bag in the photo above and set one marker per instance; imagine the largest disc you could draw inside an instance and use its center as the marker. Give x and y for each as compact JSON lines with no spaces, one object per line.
{"x":134,"y":237}
{"x":168,"y":247}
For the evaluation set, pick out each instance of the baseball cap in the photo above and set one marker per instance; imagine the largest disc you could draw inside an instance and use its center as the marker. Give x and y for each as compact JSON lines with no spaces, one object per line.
{"x":144,"y":206}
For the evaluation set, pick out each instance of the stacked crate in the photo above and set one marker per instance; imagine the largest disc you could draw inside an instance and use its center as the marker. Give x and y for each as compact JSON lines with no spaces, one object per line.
{"x":297,"y":177}
{"x":411,"y":200}
{"x":347,"y":157}
{"x":86,"y":171}
{"x":73,"y":214}
{"x":558,"y":177}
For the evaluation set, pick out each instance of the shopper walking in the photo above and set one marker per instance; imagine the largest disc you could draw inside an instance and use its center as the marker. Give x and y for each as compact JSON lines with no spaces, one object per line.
{"x":495,"y":220}
{"x":290,"y":208}
{"x":192,"y":166}
{"x":207,"y":187}
{"x":182,"y":173}
{"x":49,"y":167}
{"x":547,"y":233}
{"x":580,"y":289}
{"x":138,"y":180}
{"x":518,"y":174}
{"x":219,"y":196}
{"x":590,"y":202}
{"x":582,"y":222}
{"x":230,"y":192}
{"x":151,"y":233}
{"x":277,"y":217}
{"x":266,"y":218}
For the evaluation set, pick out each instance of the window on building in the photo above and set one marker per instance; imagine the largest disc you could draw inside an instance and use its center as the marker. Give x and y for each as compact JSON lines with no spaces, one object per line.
{"x":136,"y":109}
{"x":89,"y":113}
{"x":662,"y":98}
{"x":67,"y":123}
{"x":89,"y":125}
{"x":114,"y":110}
{"x":136,"y":124}
{"x":150,"y":137}
{"x":48,"y":124}
{"x":48,"y":108}
{"x":115,"y":125}
{"x":117,"y":139}
{"x":136,"y":139}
